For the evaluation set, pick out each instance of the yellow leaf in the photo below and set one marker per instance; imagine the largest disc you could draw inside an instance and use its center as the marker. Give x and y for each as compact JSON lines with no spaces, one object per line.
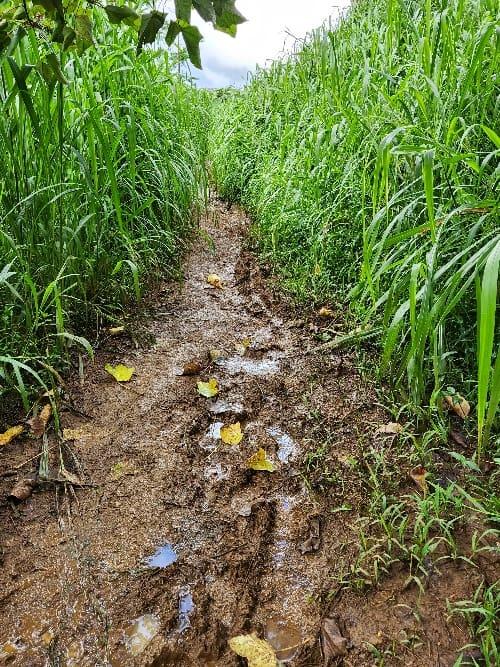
{"x":392,"y":428}
{"x":231,"y":434}
{"x":120,"y":372}
{"x":116,"y":331}
{"x":458,"y":404}
{"x":259,"y":461}
{"x":317,"y":269}
{"x":208,"y":389}
{"x":10,"y":434}
{"x":257,"y":651}
{"x":214,"y":280}
{"x":73,"y":433}
{"x":241,"y":348}
{"x":325,"y":312}
{"x":122,"y":468}
{"x":214,"y":354}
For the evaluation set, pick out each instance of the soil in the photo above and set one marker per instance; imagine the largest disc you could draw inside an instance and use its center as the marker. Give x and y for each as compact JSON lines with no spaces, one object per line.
{"x":173,"y":545}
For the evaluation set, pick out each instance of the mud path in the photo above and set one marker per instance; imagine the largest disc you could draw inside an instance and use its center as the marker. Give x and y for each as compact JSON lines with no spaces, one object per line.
{"x":178,"y":546}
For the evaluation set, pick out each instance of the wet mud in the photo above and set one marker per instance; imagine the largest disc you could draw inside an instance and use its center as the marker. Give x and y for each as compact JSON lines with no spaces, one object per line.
{"x":175,"y":545}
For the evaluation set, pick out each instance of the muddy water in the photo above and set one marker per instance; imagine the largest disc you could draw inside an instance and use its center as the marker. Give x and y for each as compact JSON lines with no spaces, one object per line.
{"x":176,"y":545}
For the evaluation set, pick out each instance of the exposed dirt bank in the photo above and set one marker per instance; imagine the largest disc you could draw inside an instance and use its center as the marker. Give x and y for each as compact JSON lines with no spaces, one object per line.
{"x":239,"y":550}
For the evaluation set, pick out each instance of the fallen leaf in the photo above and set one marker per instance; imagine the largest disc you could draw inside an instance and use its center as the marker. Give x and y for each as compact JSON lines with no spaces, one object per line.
{"x":317,"y":269}
{"x":120,"y":372}
{"x":242,"y":347}
{"x":38,"y":424}
{"x":10,"y":434}
{"x":418,"y":475}
{"x":116,"y":331}
{"x":332,"y":642}
{"x":121,"y":469}
{"x":70,"y":477}
{"x":191,"y":368}
{"x":214,"y":280}
{"x":458,"y":404}
{"x":391,"y":428}
{"x":73,"y":433}
{"x":312,"y":542}
{"x":231,"y":435}
{"x":257,"y":651}
{"x":259,"y":461}
{"x":458,"y":438}
{"x":325,"y":312}
{"x":208,"y":389}
{"x":22,"y":489}
{"x":214,"y":354}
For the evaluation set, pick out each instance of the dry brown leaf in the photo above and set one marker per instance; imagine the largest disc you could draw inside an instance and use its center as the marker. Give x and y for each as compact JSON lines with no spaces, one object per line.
{"x":313,"y":541}
{"x":38,"y":424}
{"x":418,"y":475}
{"x":392,"y":428}
{"x":458,"y":438}
{"x":325,"y":312}
{"x":192,"y":368}
{"x":70,"y":477}
{"x":332,"y":642}
{"x":22,"y":489}
{"x":214,"y":280}
{"x":10,"y":434}
{"x":458,"y":405}
{"x":258,"y":652}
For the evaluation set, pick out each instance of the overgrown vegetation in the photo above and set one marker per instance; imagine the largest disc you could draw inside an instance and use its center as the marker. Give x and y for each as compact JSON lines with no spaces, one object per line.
{"x":101,"y":175}
{"x":369,"y":161}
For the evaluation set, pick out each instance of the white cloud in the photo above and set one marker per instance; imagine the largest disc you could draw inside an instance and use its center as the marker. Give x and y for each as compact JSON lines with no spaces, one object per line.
{"x":265,"y":35}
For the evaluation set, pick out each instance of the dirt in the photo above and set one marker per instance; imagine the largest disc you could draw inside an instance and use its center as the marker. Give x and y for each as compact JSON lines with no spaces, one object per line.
{"x":174,"y":545}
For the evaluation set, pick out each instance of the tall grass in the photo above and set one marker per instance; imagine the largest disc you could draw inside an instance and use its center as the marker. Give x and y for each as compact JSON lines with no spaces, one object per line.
{"x":99,"y":182}
{"x":369,"y":161}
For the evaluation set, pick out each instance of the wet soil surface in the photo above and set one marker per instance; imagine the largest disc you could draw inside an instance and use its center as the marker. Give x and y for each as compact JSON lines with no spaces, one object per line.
{"x":175,"y":545}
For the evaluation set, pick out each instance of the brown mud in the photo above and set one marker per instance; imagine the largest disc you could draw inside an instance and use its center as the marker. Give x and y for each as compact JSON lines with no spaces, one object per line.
{"x":174,"y":545}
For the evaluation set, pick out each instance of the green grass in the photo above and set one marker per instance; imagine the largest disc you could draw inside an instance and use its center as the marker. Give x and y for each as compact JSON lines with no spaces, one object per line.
{"x":100,"y":181}
{"x":369,"y":162}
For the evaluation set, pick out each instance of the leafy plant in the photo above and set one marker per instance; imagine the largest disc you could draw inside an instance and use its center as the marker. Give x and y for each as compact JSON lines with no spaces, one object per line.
{"x":71,"y":25}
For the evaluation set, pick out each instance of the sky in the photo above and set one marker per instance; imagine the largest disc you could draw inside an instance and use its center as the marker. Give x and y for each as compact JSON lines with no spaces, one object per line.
{"x":265,"y":35}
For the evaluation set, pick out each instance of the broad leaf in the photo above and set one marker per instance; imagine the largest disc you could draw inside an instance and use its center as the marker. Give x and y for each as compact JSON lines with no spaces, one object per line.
{"x":125,"y":15}
{"x":151,"y":24}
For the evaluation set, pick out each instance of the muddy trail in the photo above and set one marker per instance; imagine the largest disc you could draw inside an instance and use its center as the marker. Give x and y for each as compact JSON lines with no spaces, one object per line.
{"x":174,"y":545}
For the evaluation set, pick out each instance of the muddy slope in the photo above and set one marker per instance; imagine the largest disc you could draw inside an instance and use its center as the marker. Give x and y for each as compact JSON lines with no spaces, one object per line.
{"x":175,"y":545}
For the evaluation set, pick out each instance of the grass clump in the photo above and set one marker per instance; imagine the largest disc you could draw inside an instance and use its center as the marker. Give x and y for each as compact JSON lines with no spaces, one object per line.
{"x":100,"y":178}
{"x":369,"y":161}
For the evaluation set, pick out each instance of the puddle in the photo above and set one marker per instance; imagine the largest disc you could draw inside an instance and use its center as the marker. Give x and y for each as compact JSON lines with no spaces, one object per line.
{"x":164,"y":557}
{"x":256,"y":367}
{"x":141,"y":632}
{"x":186,"y":608}
{"x":285,"y":637}
{"x":287,"y":447}
{"x":216,"y":472}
